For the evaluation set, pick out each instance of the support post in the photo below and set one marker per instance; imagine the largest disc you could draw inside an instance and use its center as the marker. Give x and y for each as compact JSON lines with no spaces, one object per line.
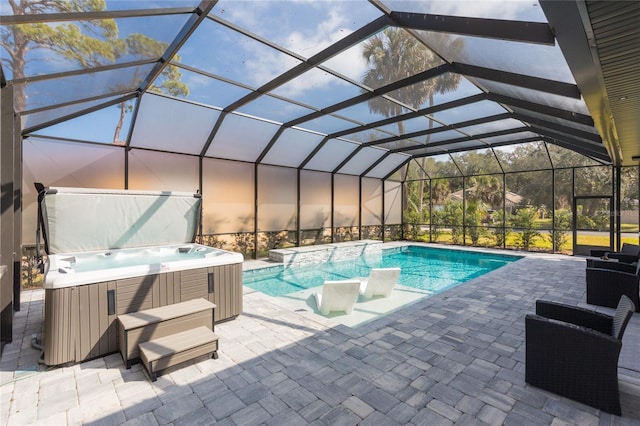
{"x":9,"y":216}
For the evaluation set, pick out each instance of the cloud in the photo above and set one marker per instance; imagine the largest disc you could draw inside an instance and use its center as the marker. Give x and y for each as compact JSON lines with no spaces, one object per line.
{"x":495,"y":9}
{"x":314,"y":26}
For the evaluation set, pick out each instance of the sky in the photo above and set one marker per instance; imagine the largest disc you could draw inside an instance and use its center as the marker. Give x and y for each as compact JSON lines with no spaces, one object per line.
{"x":300,"y":27}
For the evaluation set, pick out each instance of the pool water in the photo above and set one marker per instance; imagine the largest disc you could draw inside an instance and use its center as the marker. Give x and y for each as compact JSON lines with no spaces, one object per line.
{"x":425,"y":268}
{"x":122,"y":258}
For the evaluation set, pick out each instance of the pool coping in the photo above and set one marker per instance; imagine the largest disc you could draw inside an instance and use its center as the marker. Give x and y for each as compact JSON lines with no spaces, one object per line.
{"x":251,"y":264}
{"x":297,"y":256}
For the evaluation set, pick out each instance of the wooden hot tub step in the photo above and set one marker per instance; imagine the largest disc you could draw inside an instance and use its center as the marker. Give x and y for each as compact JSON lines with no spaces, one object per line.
{"x":151,"y":324}
{"x":176,"y":348}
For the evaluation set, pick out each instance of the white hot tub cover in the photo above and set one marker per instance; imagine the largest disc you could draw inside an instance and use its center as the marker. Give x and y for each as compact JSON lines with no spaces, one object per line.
{"x":84,"y":219}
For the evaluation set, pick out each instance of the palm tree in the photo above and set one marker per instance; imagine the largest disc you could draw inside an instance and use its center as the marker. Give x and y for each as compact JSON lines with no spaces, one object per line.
{"x":487,"y":189}
{"x":394,"y":54}
{"x":439,"y":190}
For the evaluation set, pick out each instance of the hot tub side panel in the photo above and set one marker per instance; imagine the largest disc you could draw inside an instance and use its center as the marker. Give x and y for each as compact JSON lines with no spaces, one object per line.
{"x":139,"y":293}
{"x":227,"y":295}
{"x":80,"y":321}
{"x":221,"y":285}
{"x":78,"y":325}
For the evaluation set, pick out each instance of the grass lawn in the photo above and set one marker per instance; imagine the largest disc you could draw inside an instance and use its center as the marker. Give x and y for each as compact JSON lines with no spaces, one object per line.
{"x":538,"y":243}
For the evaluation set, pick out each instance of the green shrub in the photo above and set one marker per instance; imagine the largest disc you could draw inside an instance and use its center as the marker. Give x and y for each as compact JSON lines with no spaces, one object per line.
{"x":560,"y":236}
{"x":453,"y":219}
{"x":473,"y":220}
{"x":525,"y":220}
{"x":413,"y":220}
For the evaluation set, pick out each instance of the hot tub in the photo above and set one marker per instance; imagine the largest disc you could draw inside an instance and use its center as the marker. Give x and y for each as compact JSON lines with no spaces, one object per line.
{"x":65,"y":270}
{"x":117,"y":252}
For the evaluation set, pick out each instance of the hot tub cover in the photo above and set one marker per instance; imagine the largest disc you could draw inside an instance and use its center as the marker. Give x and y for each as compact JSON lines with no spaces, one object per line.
{"x":86,"y":219}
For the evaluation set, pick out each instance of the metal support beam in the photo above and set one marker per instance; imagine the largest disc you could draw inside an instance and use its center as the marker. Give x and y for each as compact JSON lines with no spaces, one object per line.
{"x":273,"y":140}
{"x":314,"y":152}
{"x":495,"y":145}
{"x":360,"y":207}
{"x":188,"y":28}
{"x":421,"y":112}
{"x":79,"y":113}
{"x":434,"y":130}
{"x":348,"y":158}
{"x":416,"y":78}
{"x":255,"y":211}
{"x":580,"y":146}
{"x":298,"y":192}
{"x":38,"y":18}
{"x":464,"y":139}
{"x":213,"y":132}
{"x":345,"y":43}
{"x":8,"y":218}
{"x":559,"y":127}
{"x":564,"y":114}
{"x":520,"y":31}
{"x":617,"y":176}
{"x":579,"y":46}
{"x":404,"y":163}
{"x":521,"y":80}
{"x":375,"y":163}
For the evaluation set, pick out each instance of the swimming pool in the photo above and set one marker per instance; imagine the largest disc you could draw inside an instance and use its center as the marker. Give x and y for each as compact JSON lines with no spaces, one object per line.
{"x":425,"y":268}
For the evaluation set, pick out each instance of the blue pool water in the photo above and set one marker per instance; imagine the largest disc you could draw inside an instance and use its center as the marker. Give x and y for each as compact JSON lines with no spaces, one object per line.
{"x":425,"y":268}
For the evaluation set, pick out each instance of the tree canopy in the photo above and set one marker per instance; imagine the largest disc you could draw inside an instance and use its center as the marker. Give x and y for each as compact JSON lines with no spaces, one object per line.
{"x":87,"y":44}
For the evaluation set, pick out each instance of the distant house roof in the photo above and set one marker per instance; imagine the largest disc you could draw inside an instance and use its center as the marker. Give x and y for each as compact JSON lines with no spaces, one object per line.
{"x":511,"y":198}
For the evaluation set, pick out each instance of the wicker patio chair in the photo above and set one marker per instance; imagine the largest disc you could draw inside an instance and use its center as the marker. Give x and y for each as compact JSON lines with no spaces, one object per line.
{"x":596,"y":262}
{"x":629,"y":253}
{"x":574,"y":352}
{"x":607,"y":281}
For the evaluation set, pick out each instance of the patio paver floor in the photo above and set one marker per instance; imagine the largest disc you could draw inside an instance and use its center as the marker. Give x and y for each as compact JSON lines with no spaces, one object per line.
{"x":452,"y":358}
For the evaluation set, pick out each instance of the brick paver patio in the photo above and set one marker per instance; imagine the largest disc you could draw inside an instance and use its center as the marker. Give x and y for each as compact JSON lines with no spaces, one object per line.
{"x":452,"y":358}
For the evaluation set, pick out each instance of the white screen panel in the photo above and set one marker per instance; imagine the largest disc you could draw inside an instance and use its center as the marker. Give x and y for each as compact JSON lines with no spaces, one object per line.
{"x":162,"y":171}
{"x":56,"y":163}
{"x":227,"y":196}
{"x":362,"y":161}
{"x":345,"y":201}
{"x":392,"y":202}
{"x":315,"y":200}
{"x":168,"y":125}
{"x":332,"y":153}
{"x":291,"y":148}
{"x":241,"y":138}
{"x":277,"y":194}
{"x":386,"y":166}
{"x":371,"y":202}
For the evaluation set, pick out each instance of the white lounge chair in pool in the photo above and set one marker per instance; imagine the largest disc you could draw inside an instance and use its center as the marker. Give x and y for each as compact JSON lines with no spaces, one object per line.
{"x":339,"y":296}
{"x":381,"y":282}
